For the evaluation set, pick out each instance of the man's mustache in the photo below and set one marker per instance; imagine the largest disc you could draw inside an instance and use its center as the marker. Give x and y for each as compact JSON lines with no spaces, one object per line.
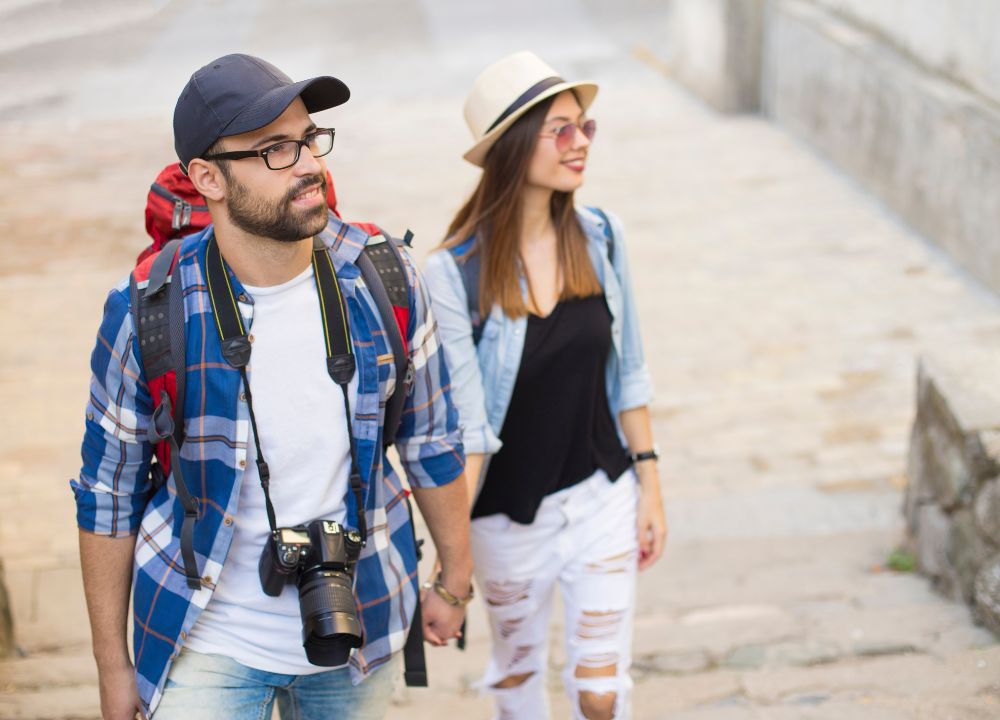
{"x":305,"y":184}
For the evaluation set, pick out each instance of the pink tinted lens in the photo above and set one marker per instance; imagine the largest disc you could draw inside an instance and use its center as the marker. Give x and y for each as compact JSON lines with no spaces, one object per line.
{"x":565,"y":136}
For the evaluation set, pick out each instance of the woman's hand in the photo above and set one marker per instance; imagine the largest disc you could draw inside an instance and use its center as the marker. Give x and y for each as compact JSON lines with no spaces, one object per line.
{"x":651,"y":522}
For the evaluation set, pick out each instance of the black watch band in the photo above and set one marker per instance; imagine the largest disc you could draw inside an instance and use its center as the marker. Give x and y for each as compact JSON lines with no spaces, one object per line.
{"x":645,"y":455}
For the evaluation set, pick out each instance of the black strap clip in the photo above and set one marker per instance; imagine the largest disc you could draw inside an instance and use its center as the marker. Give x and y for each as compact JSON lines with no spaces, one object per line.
{"x":341,"y":368}
{"x":236,"y":351}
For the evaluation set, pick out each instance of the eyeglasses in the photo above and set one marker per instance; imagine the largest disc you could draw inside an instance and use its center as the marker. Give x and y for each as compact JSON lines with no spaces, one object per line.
{"x":566,"y":134}
{"x":285,"y":153}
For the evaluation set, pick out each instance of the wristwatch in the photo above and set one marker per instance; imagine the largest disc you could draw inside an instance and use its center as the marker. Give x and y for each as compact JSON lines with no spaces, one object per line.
{"x":446,"y":595}
{"x":653,"y":454}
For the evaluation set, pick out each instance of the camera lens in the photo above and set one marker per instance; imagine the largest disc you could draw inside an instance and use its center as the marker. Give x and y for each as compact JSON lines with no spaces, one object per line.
{"x":330,"y":626}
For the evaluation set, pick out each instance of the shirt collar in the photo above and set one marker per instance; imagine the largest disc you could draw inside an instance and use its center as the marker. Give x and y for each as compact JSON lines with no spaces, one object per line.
{"x":343,"y":241}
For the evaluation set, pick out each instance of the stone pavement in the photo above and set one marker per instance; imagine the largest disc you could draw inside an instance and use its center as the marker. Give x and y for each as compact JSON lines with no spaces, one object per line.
{"x":783,"y":312}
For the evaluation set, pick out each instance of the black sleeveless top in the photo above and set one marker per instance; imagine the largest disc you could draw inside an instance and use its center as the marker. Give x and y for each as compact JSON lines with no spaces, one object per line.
{"x":558,"y":429}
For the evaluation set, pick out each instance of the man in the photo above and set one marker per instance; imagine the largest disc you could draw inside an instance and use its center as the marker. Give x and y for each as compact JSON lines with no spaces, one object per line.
{"x":225,"y":648}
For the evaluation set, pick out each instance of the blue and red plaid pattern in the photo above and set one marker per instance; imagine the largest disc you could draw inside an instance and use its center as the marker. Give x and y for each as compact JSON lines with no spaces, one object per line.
{"x":114,"y":496}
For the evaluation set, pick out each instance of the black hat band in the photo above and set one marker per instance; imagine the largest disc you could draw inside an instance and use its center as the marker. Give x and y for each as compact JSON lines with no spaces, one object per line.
{"x":524,"y":98}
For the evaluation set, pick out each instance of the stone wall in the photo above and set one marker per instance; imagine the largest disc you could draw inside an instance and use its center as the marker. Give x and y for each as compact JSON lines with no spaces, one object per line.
{"x":714,"y":48}
{"x":903,"y":96}
{"x":952,"y":501}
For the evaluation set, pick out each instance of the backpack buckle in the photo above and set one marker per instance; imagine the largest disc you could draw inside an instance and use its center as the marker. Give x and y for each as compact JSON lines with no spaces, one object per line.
{"x":182,"y":214}
{"x":161,"y":425}
{"x":411,"y":373}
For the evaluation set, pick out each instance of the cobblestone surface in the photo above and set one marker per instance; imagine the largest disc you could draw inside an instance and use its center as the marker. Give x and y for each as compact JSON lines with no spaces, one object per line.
{"x":783,"y":311}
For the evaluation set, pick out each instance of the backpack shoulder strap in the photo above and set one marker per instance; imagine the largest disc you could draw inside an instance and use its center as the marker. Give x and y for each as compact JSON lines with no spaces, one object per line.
{"x":158,"y":315}
{"x":414,"y":660}
{"x":384,"y":272}
{"x":470,"y":266}
{"x":609,"y":234}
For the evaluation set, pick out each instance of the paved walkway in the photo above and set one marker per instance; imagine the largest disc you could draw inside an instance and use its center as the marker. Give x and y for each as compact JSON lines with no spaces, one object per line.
{"x":783,"y":312}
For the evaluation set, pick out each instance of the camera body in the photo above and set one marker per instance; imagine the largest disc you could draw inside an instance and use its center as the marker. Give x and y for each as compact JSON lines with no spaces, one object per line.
{"x":320,"y":559}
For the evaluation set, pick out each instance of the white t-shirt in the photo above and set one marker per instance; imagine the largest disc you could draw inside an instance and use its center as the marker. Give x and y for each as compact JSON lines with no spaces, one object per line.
{"x":303,"y":435}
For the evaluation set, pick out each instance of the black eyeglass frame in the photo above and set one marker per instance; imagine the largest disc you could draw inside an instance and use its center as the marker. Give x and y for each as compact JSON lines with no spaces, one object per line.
{"x":263,"y":152}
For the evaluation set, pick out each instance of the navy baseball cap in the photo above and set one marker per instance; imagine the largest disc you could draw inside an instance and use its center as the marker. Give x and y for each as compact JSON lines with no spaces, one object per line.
{"x":239,"y":93}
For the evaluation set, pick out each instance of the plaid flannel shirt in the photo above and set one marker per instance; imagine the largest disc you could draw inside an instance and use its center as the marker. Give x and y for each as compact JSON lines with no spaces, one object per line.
{"x":114,"y":496}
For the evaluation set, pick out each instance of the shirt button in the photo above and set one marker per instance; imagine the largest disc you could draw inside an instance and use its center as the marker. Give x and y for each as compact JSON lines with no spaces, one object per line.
{"x":243,"y":396}
{"x":250,"y":338}
{"x":90,"y":416}
{"x":243,"y":298}
{"x":207,"y":580}
{"x":243,"y":463}
{"x":227,"y":521}
{"x":183,"y":635}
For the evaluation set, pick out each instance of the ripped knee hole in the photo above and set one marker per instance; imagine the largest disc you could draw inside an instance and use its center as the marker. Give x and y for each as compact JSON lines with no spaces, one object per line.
{"x":512,"y":681}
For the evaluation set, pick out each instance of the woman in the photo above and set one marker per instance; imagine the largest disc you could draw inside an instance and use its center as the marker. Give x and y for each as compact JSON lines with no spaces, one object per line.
{"x":534,"y":305}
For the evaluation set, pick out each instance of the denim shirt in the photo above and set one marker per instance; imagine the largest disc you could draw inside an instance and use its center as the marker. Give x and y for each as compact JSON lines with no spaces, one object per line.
{"x":483,"y":376}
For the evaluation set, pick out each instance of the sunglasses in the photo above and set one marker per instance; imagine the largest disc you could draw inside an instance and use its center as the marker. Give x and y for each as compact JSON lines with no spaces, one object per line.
{"x":566,"y":134}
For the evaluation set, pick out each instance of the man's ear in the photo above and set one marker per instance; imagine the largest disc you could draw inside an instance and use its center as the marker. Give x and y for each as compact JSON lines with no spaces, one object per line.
{"x":207,"y":179}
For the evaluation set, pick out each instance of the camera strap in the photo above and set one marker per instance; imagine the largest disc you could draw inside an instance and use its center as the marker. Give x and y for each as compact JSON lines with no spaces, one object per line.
{"x":340,"y":362}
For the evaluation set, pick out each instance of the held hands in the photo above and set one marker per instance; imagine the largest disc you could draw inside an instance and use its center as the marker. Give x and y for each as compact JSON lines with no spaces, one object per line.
{"x":651,"y":522}
{"x":442,"y":621}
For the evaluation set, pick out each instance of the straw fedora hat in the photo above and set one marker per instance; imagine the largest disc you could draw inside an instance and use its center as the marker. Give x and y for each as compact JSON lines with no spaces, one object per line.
{"x":506,"y":90}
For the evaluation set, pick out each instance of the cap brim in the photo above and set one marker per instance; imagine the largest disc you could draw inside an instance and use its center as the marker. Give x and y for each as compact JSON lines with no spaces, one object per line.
{"x":585,"y":92}
{"x":320,"y":93}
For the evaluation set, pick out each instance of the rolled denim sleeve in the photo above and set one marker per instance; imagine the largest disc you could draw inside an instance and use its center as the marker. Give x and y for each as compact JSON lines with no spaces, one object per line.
{"x":636,"y":383}
{"x":429,"y":440}
{"x":113,"y":487}
{"x":450,"y":303}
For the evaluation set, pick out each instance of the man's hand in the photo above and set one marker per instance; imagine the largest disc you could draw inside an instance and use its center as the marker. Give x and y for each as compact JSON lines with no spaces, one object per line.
{"x":446,"y":510}
{"x":442,"y":622}
{"x":119,"y":694}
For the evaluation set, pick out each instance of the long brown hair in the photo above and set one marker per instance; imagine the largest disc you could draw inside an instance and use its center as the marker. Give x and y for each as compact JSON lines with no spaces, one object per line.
{"x":493,"y":214}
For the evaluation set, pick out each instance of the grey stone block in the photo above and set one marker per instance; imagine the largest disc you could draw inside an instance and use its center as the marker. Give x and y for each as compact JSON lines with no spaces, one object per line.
{"x":674,"y":663}
{"x":880,"y":649}
{"x":933,"y":535}
{"x":987,"y":595}
{"x":987,"y":510}
{"x":918,"y":490}
{"x":805,"y":653}
{"x":746,"y":657}
{"x":967,"y":552}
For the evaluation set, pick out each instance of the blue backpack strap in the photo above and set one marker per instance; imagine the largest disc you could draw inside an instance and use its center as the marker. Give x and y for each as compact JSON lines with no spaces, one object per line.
{"x":470,"y":265}
{"x":608,"y":233}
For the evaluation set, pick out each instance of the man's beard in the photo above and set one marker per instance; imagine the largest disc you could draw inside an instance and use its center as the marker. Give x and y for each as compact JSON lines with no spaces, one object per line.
{"x":276,"y":220}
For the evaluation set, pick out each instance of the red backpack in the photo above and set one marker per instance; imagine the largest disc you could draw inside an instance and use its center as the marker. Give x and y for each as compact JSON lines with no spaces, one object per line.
{"x":174,"y":210}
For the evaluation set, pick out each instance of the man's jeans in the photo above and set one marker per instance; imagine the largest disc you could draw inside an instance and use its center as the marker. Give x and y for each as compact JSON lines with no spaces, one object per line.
{"x":210,"y":687}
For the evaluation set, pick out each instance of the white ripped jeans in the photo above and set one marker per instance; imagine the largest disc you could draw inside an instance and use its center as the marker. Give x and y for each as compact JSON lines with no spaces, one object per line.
{"x":584,"y":538}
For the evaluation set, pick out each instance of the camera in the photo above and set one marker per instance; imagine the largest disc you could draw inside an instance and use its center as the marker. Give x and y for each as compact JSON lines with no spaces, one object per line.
{"x":319,"y":558}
